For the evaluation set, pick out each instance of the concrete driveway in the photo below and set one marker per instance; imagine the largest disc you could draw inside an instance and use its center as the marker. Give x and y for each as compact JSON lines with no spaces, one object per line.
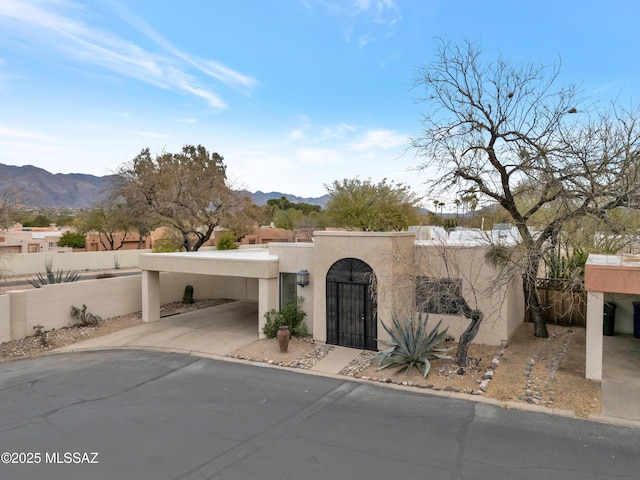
{"x":217,"y":330}
{"x":157,"y":415}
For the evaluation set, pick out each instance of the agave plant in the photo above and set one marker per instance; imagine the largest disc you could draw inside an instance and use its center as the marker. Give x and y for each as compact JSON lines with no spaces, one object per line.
{"x":411,"y":346}
{"x":52,"y":277}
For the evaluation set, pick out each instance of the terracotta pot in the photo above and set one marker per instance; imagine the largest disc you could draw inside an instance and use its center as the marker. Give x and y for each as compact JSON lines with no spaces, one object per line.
{"x":284,"y":335}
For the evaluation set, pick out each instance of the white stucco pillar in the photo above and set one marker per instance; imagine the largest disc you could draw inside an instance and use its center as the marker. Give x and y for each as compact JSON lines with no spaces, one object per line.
{"x":150,"y":296}
{"x":18,"y":315}
{"x":267,"y":300}
{"x":595,"y":309}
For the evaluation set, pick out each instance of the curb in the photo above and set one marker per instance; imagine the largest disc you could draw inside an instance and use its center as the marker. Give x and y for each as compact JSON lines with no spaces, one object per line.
{"x":598,"y":418}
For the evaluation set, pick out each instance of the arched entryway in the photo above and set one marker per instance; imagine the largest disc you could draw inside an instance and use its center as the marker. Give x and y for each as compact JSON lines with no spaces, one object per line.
{"x":352,"y":320}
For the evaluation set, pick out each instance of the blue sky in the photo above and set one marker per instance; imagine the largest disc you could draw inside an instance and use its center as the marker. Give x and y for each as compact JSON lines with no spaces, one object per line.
{"x":293,"y":93}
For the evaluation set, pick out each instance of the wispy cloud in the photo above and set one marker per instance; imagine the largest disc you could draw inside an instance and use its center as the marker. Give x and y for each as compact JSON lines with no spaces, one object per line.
{"x":152,"y":134}
{"x":318,"y":156}
{"x":378,"y":139}
{"x":366,"y":20}
{"x":312,"y":133}
{"x":190,"y":120}
{"x":13,"y":133}
{"x":58,"y":25}
{"x":211,"y":68}
{"x":21,"y":147}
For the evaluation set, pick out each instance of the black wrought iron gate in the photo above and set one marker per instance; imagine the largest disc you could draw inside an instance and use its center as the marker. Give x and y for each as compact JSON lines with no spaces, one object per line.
{"x":351,"y":313}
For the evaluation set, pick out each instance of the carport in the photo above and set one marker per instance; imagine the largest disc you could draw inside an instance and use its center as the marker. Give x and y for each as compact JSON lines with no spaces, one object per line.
{"x":614,"y":360}
{"x":243,"y":263}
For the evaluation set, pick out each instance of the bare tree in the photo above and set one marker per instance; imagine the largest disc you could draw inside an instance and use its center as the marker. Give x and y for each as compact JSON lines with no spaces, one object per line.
{"x":10,"y":197}
{"x":443,"y":279}
{"x":506,"y":132}
{"x":457,"y":280}
{"x":187,"y":191}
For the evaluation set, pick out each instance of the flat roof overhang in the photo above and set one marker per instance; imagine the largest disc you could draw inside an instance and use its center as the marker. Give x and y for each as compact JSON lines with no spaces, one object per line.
{"x":612,"y":274}
{"x":247,"y":263}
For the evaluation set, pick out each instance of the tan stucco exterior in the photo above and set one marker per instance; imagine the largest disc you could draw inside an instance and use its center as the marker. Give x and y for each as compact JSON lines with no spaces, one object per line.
{"x":254,"y":274}
{"x":381,"y":252}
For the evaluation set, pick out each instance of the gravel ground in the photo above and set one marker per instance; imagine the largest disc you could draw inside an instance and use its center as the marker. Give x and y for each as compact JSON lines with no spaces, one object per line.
{"x":302,"y":353}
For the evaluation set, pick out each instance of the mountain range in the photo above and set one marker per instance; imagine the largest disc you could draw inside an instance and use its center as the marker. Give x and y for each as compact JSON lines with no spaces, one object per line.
{"x":76,"y":190}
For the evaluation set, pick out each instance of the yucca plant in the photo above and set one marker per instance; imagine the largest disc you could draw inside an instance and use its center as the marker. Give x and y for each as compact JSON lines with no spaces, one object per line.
{"x":411,"y":346}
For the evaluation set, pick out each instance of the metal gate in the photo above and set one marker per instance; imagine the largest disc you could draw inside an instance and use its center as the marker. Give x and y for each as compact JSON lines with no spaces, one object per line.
{"x":352,"y":320}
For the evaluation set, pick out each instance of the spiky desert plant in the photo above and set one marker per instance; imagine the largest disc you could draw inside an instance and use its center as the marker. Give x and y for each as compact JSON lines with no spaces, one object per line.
{"x":52,"y":277}
{"x":411,"y":346}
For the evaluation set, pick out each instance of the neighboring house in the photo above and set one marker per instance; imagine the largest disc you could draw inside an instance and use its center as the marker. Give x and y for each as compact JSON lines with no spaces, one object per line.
{"x":264,"y":235}
{"x":31,"y":240}
{"x":98,"y":242}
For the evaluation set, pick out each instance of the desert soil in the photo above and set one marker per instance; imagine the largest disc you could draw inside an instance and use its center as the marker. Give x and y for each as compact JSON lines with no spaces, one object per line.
{"x":547,"y":372}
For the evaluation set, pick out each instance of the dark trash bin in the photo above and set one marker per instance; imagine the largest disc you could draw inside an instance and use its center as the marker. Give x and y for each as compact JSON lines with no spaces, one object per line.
{"x":609,"y":318}
{"x":636,"y":319}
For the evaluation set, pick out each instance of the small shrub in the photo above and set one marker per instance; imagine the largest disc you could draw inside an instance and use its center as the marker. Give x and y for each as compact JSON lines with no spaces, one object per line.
{"x":227,"y":241}
{"x":291,"y":315}
{"x":411,"y":346}
{"x":168,"y":243}
{"x":85,"y":318}
{"x":41,"y":334}
{"x":498,"y":255}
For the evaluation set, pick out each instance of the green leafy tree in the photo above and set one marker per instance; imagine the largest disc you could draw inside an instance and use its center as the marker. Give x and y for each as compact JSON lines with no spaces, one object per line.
{"x":286,"y":214}
{"x":187,"y":191}
{"x":289,"y":219}
{"x":64,"y":220}
{"x":38,"y":221}
{"x":363,"y":205}
{"x":170,"y":241}
{"x":505,"y":132}
{"x":72,"y":239}
{"x":281,"y":203}
{"x":112,"y":222}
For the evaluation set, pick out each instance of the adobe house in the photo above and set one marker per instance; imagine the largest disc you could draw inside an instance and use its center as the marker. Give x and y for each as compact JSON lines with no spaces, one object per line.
{"x":351,"y":282}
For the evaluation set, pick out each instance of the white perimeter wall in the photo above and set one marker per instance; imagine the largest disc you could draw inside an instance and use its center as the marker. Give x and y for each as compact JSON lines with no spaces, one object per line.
{"x":50,"y":306}
{"x":21,"y":264}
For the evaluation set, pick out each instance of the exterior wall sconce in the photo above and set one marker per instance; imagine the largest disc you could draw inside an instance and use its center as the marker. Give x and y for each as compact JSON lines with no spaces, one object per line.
{"x":302,"y":278}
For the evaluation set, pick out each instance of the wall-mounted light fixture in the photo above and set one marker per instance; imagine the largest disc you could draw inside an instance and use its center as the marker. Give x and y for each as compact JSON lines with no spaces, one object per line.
{"x":302,"y":278}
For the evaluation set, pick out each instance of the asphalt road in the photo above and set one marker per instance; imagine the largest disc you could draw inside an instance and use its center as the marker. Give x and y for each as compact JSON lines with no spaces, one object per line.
{"x":149,"y":415}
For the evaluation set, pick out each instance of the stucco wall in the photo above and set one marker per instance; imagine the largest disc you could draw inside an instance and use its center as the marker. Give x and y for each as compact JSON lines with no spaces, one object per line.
{"x":294,"y":257}
{"x":32,"y":263}
{"x":501,"y":300}
{"x":385,"y":252}
{"x":50,"y":305}
{"x":5,"y":318}
{"x":206,"y":286}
